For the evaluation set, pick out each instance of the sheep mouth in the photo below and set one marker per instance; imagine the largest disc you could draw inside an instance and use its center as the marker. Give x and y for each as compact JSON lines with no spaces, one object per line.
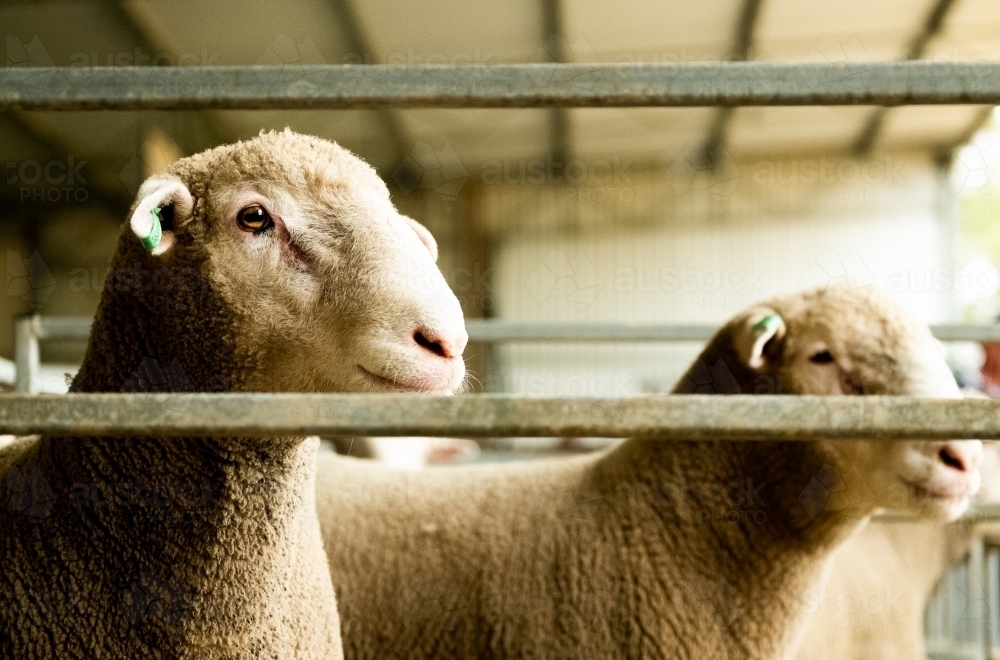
{"x":955,"y":493}
{"x":397,"y":385}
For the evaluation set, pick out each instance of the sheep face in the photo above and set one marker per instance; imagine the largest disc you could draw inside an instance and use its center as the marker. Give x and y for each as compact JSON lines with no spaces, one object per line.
{"x":334,"y":289}
{"x":844,"y":341}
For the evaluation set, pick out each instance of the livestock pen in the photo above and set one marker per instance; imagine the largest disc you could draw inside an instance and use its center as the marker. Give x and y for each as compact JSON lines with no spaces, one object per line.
{"x":589,"y":276}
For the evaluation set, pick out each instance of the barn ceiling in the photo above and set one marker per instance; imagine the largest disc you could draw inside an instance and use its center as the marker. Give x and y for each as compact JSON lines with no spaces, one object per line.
{"x":174,"y":32}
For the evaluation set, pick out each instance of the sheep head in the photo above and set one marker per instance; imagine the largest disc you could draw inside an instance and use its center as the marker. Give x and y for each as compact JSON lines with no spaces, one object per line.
{"x":847,"y":341}
{"x":333,"y":288}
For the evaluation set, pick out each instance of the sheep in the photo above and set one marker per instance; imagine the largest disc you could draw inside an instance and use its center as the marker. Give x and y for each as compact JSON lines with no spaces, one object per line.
{"x":409,"y":453}
{"x":278,"y":263}
{"x":882,"y":579}
{"x":652,"y":549}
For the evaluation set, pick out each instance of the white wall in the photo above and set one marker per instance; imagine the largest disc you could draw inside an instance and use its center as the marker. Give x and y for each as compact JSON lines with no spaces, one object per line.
{"x":696,"y":246}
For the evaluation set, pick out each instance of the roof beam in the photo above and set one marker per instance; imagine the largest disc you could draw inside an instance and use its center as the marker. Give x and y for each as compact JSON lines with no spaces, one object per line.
{"x":555,"y":45}
{"x":741,"y":51}
{"x":978,"y":122}
{"x":359,"y":43}
{"x":869,"y":134}
{"x":114,"y":201}
{"x":138,"y":19}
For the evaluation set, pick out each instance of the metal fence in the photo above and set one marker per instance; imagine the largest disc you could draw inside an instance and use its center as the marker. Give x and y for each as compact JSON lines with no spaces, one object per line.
{"x":666,"y":417}
{"x":523,"y":86}
{"x":510,"y":86}
{"x":500,"y":86}
{"x":31,"y":330}
{"x":962,"y":620}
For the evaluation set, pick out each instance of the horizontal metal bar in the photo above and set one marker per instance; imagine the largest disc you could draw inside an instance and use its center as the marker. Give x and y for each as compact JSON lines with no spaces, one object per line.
{"x":26,"y":354}
{"x":967,"y":332}
{"x":507,"y":331}
{"x":490,"y":331}
{"x":7,"y":371}
{"x":975,"y":513}
{"x":499,"y":86}
{"x":744,"y":417}
{"x":63,"y":327}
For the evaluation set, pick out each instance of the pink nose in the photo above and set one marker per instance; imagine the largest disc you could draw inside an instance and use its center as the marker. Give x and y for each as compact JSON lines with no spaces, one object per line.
{"x":441,"y":343}
{"x":962,"y":456}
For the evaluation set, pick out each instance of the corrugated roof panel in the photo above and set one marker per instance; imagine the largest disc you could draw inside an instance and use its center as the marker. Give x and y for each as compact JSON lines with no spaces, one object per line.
{"x":447,"y":32}
{"x":785,"y":130}
{"x":642,"y":133}
{"x":253,"y":31}
{"x":67,"y":34}
{"x":651,"y":31}
{"x":924,"y":127}
{"x":480,"y":135}
{"x":847,"y":30}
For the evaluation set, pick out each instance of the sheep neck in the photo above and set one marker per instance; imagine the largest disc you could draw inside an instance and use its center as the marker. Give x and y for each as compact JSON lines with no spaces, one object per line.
{"x":756,"y":549}
{"x":162,"y":327}
{"x":197,"y":542}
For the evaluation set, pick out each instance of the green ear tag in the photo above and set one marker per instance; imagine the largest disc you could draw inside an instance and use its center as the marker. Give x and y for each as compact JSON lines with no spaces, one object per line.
{"x":767,"y":322}
{"x":152,"y":239}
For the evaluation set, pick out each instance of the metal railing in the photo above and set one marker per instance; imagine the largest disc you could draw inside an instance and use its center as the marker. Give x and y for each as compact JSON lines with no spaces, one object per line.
{"x":529,"y":85}
{"x":523,"y":86}
{"x":510,"y":332}
{"x":31,"y":330}
{"x":667,"y":417}
{"x":962,"y":619}
{"x":499,"y":86}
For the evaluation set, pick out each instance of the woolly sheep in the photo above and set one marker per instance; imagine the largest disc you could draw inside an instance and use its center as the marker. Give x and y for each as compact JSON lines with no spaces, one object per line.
{"x":282,"y":266}
{"x":882,"y":579}
{"x":653,"y":549}
{"x":409,"y":453}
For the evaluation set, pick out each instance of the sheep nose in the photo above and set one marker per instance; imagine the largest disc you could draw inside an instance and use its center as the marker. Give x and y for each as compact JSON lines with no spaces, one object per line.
{"x":442,"y":344}
{"x":962,"y":456}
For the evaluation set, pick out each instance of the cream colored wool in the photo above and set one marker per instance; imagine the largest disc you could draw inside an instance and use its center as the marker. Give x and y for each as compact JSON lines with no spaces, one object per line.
{"x":882,"y":579}
{"x":210,"y":547}
{"x":655,"y":549}
{"x":880,"y":582}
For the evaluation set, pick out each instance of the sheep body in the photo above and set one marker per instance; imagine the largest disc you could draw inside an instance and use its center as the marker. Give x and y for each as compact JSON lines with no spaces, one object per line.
{"x":552,"y":573}
{"x":653,"y":549}
{"x":210,"y":547}
{"x":882,"y":579}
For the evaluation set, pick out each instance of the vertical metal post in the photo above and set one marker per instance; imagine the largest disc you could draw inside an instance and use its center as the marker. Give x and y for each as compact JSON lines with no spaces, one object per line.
{"x":978,"y":594}
{"x":26,"y":357}
{"x":992,"y":598}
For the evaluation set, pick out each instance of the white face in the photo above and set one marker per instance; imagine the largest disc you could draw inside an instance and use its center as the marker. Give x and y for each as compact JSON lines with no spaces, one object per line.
{"x":934,"y":478}
{"x":336,"y":290}
{"x":358,"y":286}
{"x":989,"y":470}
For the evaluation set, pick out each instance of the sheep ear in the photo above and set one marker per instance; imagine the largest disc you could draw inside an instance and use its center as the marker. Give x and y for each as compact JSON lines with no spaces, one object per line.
{"x":754,"y":334}
{"x":425,"y":236}
{"x":162,"y":205}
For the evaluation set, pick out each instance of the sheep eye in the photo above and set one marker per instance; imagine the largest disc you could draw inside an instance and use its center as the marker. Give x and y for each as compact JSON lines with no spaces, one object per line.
{"x":823,"y":357}
{"x":254,"y":218}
